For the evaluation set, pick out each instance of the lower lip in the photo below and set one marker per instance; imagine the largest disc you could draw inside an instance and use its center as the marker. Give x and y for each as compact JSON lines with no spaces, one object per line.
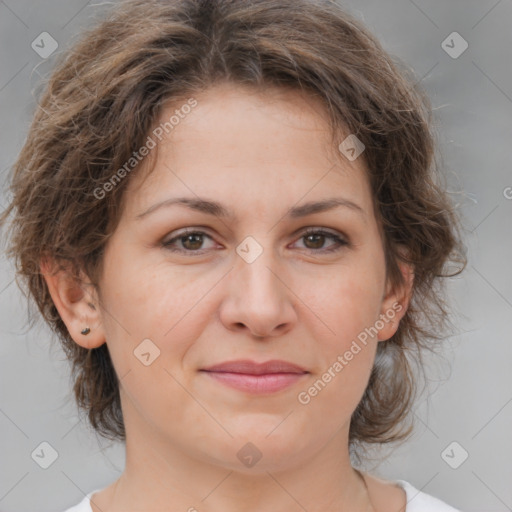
{"x":267,"y":383}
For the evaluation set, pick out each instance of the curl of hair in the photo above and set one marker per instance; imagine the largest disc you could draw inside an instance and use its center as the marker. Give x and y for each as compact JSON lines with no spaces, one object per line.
{"x":107,"y":92}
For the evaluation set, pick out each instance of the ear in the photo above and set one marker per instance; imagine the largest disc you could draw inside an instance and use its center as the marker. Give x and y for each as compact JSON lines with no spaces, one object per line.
{"x":77,"y":305}
{"x":396,"y":301}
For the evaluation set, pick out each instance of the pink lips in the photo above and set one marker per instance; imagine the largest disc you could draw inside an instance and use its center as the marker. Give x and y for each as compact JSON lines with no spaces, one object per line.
{"x":251,"y":377}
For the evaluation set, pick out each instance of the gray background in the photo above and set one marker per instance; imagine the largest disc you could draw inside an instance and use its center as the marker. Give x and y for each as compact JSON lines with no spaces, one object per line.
{"x":470,"y":389}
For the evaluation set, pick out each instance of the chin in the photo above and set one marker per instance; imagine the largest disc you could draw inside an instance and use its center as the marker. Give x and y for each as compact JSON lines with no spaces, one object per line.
{"x":254,"y":451}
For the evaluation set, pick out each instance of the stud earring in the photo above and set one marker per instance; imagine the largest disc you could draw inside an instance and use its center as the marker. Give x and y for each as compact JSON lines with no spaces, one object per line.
{"x":85,"y":331}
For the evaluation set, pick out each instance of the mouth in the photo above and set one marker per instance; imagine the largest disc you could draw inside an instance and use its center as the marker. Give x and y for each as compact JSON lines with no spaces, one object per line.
{"x":252,"y":377}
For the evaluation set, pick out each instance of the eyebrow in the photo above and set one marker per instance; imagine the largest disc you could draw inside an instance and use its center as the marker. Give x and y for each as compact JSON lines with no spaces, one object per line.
{"x":216,"y":209}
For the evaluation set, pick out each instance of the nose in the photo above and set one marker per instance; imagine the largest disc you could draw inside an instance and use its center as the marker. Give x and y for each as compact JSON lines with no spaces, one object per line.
{"x":258,"y":298}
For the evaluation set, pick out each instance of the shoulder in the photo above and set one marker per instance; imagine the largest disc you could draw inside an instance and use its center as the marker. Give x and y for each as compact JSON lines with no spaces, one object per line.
{"x":84,"y":505}
{"x":418,"y":501}
{"x":402,"y":496}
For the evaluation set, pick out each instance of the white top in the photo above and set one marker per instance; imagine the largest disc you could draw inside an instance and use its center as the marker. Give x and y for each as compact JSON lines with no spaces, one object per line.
{"x":417,"y":501}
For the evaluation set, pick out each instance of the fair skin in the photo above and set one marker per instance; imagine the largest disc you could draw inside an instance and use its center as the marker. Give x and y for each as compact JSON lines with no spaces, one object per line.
{"x":258,"y":154}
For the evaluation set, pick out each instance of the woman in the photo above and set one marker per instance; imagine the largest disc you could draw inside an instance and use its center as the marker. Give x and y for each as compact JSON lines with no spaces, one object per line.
{"x":227,"y":211}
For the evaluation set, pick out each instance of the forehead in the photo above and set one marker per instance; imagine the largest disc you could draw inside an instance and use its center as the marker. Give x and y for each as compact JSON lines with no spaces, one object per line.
{"x":239,"y":141}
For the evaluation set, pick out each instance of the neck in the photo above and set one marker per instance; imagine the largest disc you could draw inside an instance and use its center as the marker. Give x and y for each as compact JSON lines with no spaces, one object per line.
{"x":159,"y":476}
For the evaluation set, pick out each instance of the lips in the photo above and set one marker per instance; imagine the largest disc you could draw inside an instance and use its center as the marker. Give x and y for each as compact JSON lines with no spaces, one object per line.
{"x":252,"y":368}
{"x":256,"y":378}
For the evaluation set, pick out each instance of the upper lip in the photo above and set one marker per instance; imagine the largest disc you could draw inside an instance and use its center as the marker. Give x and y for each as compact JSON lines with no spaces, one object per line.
{"x":253,"y":368}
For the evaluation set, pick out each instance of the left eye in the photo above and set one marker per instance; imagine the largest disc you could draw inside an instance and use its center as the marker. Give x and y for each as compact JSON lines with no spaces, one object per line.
{"x":318,"y":237}
{"x":192,"y":241}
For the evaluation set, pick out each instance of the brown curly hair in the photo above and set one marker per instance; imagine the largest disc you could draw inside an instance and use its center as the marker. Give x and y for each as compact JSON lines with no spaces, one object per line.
{"x":108,"y":90}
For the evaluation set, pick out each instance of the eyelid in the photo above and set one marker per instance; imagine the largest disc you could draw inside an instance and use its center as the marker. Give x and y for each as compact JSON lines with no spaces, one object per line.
{"x":315,"y":229}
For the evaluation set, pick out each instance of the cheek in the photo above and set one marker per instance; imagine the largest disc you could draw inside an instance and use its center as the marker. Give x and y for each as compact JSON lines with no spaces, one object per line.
{"x":151,"y":302}
{"x":171,"y":315}
{"x":161,"y":305}
{"x":346,"y":301}
{"x":349,"y":304}
{"x":331,"y":398}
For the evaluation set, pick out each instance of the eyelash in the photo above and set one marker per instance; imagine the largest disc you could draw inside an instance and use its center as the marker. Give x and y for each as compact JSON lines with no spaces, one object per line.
{"x":340,"y":242}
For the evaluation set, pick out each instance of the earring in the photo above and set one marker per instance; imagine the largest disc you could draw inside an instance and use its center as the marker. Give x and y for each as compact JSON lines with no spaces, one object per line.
{"x":85,"y":331}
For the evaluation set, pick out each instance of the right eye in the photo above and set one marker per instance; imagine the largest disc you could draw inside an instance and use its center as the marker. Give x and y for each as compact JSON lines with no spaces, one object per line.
{"x":191,"y":241}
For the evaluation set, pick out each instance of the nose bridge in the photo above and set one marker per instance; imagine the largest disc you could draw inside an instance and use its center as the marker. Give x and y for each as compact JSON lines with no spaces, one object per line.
{"x":258,"y":298}
{"x":257,"y":269}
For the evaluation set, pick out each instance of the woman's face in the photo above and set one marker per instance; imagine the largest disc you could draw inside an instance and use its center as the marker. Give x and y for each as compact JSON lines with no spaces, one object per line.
{"x":248,"y":284}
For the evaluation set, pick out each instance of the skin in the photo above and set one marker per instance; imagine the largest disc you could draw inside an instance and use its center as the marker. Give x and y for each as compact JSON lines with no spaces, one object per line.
{"x":257,"y":153}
